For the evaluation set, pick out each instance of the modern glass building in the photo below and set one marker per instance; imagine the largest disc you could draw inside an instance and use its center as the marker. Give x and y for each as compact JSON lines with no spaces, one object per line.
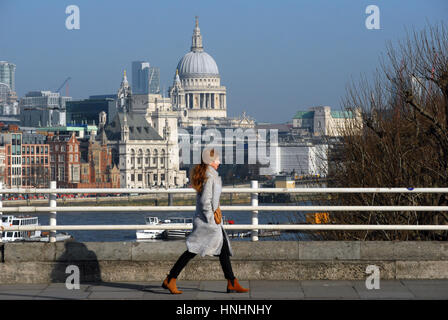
{"x":145,"y":79}
{"x":154,"y":80}
{"x":7,"y":74}
{"x":140,"y":77}
{"x":87,"y":111}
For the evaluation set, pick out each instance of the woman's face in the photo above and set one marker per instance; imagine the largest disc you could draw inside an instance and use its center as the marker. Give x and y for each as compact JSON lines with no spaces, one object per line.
{"x":215,"y":164}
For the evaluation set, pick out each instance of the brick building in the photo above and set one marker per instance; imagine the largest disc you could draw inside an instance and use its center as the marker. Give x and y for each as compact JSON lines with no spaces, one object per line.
{"x":65,"y":160}
{"x":35,"y":162}
{"x":23,"y":159}
{"x":97,"y":167}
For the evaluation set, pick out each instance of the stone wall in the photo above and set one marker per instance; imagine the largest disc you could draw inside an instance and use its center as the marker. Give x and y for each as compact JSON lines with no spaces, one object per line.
{"x":268,"y":260}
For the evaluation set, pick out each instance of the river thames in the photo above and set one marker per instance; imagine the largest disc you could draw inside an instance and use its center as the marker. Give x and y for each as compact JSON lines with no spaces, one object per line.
{"x":131,"y":218}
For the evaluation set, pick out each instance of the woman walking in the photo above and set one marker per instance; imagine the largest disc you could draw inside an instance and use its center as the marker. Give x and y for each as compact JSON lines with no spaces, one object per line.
{"x":208,"y":236}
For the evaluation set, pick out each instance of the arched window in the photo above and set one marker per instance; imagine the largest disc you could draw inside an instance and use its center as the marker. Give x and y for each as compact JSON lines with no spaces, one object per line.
{"x":132,"y":157}
{"x":140,"y":157}
{"x":147,"y":157}
{"x":154,"y":159}
{"x":162,"y":158}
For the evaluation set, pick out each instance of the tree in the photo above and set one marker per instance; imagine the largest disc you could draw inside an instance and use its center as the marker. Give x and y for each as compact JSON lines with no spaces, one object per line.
{"x":403,"y":140}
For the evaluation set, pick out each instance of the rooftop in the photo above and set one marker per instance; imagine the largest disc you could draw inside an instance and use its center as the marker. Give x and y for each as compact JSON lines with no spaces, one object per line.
{"x":139,"y":128}
{"x":304,"y":115}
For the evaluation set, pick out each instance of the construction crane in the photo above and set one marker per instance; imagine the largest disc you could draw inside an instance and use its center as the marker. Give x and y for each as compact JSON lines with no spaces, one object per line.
{"x":63,"y":84}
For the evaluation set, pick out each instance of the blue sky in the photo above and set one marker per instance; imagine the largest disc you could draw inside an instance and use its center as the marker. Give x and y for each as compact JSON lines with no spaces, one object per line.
{"x":274,"y":57}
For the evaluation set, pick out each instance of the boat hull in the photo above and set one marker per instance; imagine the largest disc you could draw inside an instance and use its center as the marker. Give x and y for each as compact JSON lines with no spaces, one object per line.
{"x":144,"y":235}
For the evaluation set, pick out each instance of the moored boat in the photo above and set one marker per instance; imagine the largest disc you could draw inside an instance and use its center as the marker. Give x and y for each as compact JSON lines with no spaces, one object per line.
{"x":150,"y":234}
{"x":13,"y":236}
{"x":162,"y":233}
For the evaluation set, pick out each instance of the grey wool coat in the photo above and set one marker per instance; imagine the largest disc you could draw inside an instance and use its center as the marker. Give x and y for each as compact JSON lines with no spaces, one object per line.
{"x":207,"y":236}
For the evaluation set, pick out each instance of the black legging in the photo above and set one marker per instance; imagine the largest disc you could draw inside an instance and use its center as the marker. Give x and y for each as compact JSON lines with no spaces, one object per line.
{"x":224,"y":259}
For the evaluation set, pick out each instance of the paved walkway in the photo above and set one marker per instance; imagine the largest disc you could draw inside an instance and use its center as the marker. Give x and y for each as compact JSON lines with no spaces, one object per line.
{"x":205,"y":290}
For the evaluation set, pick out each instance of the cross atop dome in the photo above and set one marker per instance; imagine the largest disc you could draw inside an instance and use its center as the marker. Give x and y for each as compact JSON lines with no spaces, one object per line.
{"x":196,"y":43}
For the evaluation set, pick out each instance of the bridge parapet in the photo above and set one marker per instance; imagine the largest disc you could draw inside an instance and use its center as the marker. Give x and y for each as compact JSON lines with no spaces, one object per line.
{"x":263,"y":260}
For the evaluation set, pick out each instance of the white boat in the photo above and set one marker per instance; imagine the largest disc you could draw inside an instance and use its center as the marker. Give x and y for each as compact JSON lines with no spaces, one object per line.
{"x":11,"y":236}
{"x":167,"y":234}
{"x":181,"y":233}
{"x":150,"y":234}
{"x":59,"y":237}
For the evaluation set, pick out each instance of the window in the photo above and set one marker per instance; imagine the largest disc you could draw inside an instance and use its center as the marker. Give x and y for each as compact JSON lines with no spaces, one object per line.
{"x":139,"y":177}
{"x":71,"y":158}
{"x":75,"y":173}
{"x":132,"y":177}
{"x":70,"y":148}
{"x":61,"y":174}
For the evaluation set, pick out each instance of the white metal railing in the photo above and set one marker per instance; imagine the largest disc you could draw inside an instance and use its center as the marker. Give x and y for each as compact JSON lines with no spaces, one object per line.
{"x":254,"y":208}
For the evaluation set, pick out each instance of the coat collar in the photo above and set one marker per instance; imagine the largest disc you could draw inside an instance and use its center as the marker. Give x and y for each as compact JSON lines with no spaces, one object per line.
{"x":212,"y":171}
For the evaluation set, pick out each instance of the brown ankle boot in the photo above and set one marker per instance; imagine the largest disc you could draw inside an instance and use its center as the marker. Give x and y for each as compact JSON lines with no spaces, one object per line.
{"x":234,"y":286}
{"x":171,"y":285}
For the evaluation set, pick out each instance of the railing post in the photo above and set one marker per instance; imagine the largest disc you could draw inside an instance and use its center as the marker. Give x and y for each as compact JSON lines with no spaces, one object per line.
{"x":53,"y":204}
{"x":254,"y":202}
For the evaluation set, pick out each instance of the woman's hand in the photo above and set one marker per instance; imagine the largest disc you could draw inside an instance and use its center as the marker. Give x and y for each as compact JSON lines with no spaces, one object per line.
{"x":218,"y":215}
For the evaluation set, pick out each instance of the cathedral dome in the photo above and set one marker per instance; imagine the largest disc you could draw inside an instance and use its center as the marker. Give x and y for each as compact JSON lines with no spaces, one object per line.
{"x":197,"y":63}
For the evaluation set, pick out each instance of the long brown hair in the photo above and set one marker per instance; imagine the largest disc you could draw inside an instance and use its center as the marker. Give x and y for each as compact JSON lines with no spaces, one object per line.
{"x":198,"y":176}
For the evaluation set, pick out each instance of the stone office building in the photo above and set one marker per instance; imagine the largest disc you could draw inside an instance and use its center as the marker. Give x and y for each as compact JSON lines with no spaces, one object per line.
{"x":146,"y":159}
{"x":321,"y":121}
